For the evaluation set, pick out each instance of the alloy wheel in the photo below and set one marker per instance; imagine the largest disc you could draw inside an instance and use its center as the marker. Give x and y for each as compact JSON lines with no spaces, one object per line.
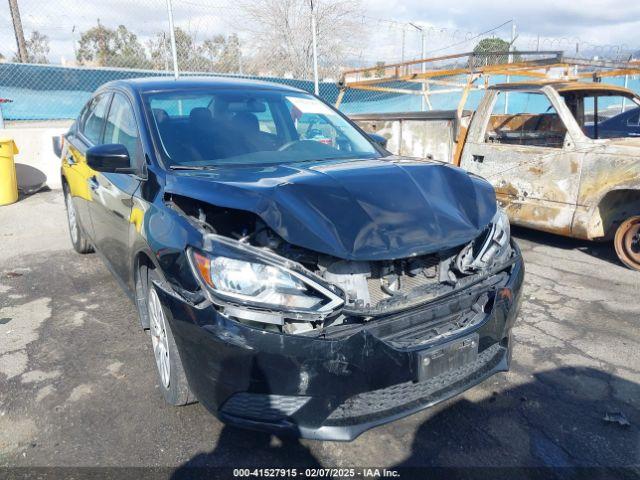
{"x":159,"y":336}
{"x":71,"y":216}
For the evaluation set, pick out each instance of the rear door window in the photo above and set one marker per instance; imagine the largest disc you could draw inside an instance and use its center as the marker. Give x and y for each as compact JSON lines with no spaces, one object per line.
{"x":94,"y":119}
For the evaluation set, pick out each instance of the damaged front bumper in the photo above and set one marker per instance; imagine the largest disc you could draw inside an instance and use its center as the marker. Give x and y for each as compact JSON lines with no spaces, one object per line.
{"x":337,"y":386}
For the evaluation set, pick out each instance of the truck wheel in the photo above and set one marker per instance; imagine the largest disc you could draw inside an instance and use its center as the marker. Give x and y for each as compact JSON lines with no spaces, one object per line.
{"x":627,"y":242}
{"x":79,"y":239}
{"x":173,"y":381}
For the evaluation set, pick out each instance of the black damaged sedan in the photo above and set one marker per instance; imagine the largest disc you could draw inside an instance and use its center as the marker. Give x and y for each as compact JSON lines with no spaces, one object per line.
{"x":293,"y":275}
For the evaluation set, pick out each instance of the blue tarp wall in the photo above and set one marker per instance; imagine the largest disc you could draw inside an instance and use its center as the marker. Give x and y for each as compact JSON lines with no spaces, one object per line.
{"x":44,"y":92}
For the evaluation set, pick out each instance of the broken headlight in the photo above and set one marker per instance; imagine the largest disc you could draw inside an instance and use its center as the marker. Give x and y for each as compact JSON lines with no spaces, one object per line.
{"x":490,"y":248}
{"x":271,"y":292}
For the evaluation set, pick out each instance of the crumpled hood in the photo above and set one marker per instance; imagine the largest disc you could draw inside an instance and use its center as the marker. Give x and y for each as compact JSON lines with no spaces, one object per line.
{"x":379,"y":209}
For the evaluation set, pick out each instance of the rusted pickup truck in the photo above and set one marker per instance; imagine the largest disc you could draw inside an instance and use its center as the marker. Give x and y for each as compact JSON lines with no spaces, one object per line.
{"x":563,"y":156}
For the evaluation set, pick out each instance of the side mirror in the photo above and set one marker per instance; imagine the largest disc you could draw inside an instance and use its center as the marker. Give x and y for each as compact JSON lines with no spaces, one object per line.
{"x":57,"y":145}
{"x":379,"y":139}
{"x":109,"y":158}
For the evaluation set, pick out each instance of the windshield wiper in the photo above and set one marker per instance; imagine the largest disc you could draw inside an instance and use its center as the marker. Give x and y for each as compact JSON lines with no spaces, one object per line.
{"x":189,"y":167}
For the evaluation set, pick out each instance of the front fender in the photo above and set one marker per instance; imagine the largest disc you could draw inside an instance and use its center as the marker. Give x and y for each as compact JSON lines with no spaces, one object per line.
{"x":165,"y":234}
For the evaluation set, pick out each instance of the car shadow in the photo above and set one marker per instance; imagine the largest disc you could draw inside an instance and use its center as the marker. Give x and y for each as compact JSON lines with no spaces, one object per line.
{"x":602,"y":250}
{"x":563,"y":423}
{"x":566,"y":422}
{"x":241,"y":449}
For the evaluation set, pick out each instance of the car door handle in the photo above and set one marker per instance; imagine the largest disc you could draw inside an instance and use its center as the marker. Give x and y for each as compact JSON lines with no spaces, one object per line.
{"x":93,"y":183}
{"x":478,"y":158}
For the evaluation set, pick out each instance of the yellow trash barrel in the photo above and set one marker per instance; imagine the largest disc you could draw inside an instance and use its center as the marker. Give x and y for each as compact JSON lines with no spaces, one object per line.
{"x":8,"y":181}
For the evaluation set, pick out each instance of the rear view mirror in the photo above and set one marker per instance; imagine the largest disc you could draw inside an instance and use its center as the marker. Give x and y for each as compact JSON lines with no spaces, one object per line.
{"x":379,"y":139}
{"x":250,"y":105}
{"x":109,"y":158}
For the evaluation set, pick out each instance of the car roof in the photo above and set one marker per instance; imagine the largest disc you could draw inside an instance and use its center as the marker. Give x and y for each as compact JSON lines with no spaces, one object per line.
{"x":150,"y":84}
{"x":563,"y":86}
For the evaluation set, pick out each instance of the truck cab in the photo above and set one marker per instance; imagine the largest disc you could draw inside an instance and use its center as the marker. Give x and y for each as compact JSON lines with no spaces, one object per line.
{"x":563,"y":157}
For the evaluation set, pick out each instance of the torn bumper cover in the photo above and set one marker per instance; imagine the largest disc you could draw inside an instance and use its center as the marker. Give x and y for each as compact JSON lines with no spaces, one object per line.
{"x":336,"y":386}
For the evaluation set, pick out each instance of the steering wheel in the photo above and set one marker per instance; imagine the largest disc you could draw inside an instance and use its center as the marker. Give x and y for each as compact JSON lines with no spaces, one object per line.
{"x":541,"y":118}
{"x":313,"y":132}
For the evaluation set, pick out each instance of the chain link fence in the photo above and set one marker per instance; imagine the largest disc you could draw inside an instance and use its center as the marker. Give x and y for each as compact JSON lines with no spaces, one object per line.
{"x":73,"y":46}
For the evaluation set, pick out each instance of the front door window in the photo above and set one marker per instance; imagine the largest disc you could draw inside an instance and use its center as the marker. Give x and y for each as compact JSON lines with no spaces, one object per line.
{"x":121,"y":128}
{"x":92,"y":122}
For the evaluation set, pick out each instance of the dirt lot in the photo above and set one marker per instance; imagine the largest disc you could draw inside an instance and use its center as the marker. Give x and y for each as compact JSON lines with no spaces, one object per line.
{"x":78,"y":383}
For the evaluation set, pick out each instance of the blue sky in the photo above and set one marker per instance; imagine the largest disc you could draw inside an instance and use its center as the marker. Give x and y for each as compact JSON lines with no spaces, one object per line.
{"x":604,"y":22}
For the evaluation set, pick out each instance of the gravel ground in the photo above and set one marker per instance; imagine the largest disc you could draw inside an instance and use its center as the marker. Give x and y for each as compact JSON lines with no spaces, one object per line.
{"x":78,"y":384}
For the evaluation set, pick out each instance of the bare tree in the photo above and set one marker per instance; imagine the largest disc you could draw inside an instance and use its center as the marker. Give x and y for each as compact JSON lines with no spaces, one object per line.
{"x":37,"y":49}
{"x":281,"y":35}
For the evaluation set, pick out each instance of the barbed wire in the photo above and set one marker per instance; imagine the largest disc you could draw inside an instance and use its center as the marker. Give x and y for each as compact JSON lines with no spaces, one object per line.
{"x":256,"y":38}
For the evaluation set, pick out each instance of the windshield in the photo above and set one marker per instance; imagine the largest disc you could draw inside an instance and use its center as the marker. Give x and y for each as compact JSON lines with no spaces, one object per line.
{"x":605,"y":114}
{"x":248,"y":127}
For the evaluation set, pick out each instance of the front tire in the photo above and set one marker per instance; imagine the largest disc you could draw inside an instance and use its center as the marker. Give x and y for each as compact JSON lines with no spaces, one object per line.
{"x":627,"y":242}
{"x":173,"y":381}
{"x":79,"y":239}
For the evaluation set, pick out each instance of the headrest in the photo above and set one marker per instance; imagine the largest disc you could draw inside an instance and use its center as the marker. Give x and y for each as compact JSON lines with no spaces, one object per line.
{"x":246,"y":121}
{"x":160,"y":115}
{"x":200,"y":115}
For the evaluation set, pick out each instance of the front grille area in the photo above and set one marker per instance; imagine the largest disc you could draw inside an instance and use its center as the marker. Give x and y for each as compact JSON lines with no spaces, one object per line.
{"x":263,"y":407}
{"x":369,"y":284}
{"x":420,"y":327}
{"x":408,"y":395}
{"x":400,"y":280}
{"x":428,"y":332}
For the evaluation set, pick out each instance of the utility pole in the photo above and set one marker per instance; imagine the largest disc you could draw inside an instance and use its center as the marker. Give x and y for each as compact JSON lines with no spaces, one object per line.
{"x":423,"y":68}
{"x":402,"y":46}
{"x":511,"y":48}
{"x":314,"y":44}
{"x":239,"y":57}
{"x":166,"y":52}
{"x":17,"y":29}
{"x":172,"y":35}
{"x":314,"y":40}
{"x":75,"y":44}
{"x":624,"y":99}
